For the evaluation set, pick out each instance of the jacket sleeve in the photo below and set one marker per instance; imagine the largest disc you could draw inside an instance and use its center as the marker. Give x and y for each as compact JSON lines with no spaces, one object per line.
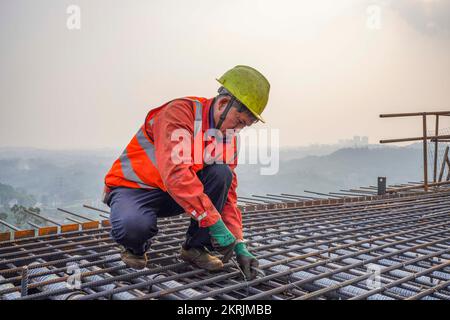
{"x":178,"y":176}
{"x":231,"y":215}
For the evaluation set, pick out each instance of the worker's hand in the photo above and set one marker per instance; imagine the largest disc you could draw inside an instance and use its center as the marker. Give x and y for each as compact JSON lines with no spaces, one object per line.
{"x":222,"y":239}
{"x":246,"y":260}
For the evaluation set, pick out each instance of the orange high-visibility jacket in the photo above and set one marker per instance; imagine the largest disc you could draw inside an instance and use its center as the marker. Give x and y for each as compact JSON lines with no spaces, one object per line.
{"x":147,"y":161}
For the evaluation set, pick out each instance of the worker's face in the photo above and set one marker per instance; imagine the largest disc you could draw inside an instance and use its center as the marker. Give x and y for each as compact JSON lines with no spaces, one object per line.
{"x":234,"y":120}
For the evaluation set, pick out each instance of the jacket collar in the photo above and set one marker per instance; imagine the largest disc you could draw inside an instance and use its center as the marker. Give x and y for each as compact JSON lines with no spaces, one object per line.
{"x":207,"y":123}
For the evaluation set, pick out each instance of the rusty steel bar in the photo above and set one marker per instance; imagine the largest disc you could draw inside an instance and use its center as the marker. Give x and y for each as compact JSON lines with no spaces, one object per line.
{"x":268,"y":198}
{"x":47,"y":219}
{"x":353,"y":194}
{"x":95,"y":209}
{"x":34,"y":225}
{"x":75,"y":214}
{"x":74,"y":220}
{"x":9,"y":225}
{"x":440,"y":140}
{"x":430,"y":290}
{"x":412,"y":114}
{"x":300,"y":196}
{"x":415,"y":139}
{"x":442,"y":183}
{"x":246,"y":202}
{"x":254,"y":200}
{"x":290,"y":198}
{"x":363,"y":192}
{"x":322,"y":194}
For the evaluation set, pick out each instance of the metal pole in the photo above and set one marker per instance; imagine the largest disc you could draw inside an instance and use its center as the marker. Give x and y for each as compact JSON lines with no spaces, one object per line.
{"x":415,"y":139}
{"x":34,"y":225}
{"x":75,"y":214}
{"x":418,"y":186}
{"x":302,"y":197}
{"x":448,"y":173}
{"x":412,"y":114}
{"x":444,"y":162}
{"x":323,"y":194}
{"x":42,"y":217}
{"x":381,"y":186}
{"x":436,"y":149}
{"x":425,"y":156}
{"x":6,"y":224}
{"x":363,"y":192}
{"x":96,"y":209}
{"x":272,"y":199}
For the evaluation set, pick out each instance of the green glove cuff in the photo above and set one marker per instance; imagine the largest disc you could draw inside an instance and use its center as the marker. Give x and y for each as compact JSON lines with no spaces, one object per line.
{"x":221,"y":234}
{"x":241,"y":250}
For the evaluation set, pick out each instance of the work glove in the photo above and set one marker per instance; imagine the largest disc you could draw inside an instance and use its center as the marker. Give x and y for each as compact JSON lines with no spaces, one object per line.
{"x":247,"y":261}
{"x":222,"y":239}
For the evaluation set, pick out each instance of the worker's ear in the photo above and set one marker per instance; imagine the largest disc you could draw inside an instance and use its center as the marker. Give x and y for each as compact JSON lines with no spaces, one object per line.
{"x":222,"y":103}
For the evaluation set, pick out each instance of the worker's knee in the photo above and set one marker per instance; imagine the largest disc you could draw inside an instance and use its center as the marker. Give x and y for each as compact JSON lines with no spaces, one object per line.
{"x":132,"y":231}
{"x":140,"y":229}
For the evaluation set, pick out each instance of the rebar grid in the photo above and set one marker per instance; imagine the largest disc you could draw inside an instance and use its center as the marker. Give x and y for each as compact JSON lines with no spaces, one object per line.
{"x":396,"y":248}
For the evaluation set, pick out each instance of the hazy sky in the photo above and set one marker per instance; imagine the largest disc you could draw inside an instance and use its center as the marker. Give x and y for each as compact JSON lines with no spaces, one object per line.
{"x":332,"y":70}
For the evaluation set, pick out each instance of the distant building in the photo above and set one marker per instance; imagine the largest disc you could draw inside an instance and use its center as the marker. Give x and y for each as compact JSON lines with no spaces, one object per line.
{"x":356,"y":142}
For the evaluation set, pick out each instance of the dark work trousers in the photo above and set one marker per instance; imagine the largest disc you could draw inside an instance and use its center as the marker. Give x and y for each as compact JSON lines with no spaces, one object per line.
{"x":134,"y":212}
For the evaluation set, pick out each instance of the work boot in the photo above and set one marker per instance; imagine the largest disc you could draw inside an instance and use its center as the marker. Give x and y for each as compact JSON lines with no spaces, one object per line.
{"x":132,"y":260}
{"x":202,"y":259}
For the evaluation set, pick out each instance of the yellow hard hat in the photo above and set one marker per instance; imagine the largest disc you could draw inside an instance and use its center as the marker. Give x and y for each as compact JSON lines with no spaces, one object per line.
{"x":249,"y":86}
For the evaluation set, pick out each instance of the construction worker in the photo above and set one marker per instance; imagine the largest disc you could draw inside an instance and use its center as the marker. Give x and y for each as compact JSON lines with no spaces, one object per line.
{"x":149,"y":181}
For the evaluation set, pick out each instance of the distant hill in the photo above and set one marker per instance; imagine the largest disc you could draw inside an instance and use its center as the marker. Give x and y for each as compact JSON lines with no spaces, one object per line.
{"x":56,"y":178}
{"x":344,"y":168}
{"x":71,"y":178}
{"x":10,"y":196}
